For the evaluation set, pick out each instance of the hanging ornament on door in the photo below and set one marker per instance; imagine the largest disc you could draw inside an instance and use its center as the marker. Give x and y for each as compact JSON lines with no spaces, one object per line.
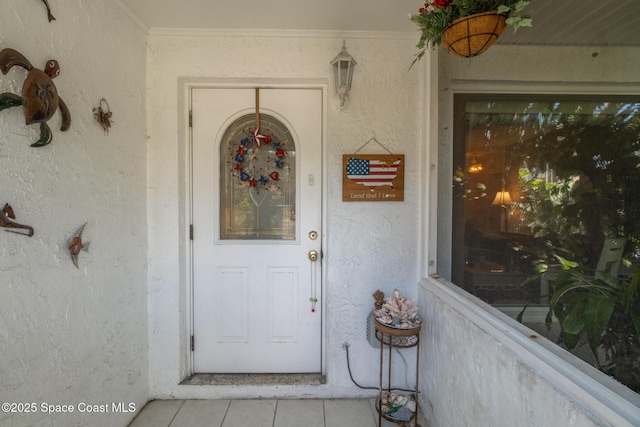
{"x":258,"y":158}
{"x":313,"y":298}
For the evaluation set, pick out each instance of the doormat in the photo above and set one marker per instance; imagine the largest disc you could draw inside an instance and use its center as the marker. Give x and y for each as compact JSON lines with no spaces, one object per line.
{"x":254,"y":379}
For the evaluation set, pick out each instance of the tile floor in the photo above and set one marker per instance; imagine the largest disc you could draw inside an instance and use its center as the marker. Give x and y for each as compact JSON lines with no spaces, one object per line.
{"x":259,"y":413}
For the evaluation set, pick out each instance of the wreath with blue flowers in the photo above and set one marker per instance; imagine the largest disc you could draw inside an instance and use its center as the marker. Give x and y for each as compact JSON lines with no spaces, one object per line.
{"x":258,"y":158}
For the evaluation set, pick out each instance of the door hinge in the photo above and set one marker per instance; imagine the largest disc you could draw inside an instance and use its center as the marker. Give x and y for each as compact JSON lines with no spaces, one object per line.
{"x":192,"y":344}
{"x":191,"y":232}
{"x":190,"y":119}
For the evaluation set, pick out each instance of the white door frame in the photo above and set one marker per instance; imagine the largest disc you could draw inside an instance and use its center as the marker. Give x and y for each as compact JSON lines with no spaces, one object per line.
{"x":185,"y":86}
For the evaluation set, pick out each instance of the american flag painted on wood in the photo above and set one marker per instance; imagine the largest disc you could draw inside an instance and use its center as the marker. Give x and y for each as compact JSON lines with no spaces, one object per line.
{"x":372,"y":173}
{"x":373,"y":178}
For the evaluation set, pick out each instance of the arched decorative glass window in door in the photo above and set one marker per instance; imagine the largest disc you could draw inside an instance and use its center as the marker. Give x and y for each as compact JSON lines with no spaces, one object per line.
{"x":257,"y":185}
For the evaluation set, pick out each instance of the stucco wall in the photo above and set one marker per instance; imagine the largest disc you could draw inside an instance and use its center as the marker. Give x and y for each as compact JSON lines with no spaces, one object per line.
{"x":369,"y":245}
{"x":70,"y":336}
{"x":504,"y":374}
{"x":480,"y":367}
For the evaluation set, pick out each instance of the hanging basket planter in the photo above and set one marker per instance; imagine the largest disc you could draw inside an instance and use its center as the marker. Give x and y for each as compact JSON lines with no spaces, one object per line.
{"x":471,"y":35}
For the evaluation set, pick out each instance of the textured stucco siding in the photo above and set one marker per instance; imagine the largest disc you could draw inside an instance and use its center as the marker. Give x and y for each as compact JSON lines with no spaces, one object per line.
{"x":75,"y":336}
{"x":484,"y":381}
{"x":369,"y":246}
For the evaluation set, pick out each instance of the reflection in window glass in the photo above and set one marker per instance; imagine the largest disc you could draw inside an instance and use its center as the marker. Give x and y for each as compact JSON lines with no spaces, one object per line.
{"x":541,"y":177}
{"x":541,"y":183}
{"x":257,"y":189}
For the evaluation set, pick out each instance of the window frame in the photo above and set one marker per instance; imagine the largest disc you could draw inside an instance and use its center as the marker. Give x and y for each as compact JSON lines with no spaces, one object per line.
{"x":458,"y":153}
{"x":437,"y":236}
{"x":440,"y":152}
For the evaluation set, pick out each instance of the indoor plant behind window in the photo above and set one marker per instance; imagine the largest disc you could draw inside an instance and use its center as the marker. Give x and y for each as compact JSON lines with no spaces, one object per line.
{"x":602,"y":309}
{"x":459,"y":25}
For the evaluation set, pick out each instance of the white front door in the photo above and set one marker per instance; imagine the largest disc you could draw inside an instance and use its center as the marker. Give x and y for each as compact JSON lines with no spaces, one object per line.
{"x":257,"y":215}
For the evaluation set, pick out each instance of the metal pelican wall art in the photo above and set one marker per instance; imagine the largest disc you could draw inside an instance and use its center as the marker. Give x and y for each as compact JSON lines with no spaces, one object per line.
{"x":5,"y":214}
{"x":39,"y":94}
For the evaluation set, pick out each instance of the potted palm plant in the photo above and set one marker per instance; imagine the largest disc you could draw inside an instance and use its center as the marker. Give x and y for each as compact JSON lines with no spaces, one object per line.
{"x":466,"y":27}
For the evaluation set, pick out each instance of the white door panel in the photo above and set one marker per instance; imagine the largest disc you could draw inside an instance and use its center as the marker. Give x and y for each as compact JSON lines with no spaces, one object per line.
{"x":252,"y":298}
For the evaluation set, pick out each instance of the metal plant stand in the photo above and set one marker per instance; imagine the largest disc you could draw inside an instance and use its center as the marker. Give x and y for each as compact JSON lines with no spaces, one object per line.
{"x":397,"y":338}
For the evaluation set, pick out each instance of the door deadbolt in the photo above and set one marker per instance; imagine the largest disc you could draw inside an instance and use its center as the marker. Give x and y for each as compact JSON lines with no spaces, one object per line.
{"x":313,"y":235}
{"x":313,"y":255}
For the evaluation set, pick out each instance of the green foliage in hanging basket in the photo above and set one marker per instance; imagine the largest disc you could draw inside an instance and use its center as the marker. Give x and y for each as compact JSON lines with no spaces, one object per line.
{"x":436,"y":15}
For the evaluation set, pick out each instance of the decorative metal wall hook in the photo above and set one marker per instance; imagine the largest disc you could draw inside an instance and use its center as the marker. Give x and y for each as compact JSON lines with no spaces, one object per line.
{"x":103,"y":117}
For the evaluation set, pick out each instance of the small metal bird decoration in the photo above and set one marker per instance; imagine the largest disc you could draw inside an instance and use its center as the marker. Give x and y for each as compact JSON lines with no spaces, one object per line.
{"x":5,"y":214}
{"x":75,"y":245}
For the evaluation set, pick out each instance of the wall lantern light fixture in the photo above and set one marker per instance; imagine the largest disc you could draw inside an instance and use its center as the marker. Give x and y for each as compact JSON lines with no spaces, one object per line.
{"x":343,"y":65}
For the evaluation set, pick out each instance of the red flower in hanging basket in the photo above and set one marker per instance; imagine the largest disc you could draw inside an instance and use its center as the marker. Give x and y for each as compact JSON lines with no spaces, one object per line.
{"x":441,"y":3}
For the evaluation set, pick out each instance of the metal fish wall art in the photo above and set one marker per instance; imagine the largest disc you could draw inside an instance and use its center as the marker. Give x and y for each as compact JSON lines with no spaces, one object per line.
{"x":75,"y":245}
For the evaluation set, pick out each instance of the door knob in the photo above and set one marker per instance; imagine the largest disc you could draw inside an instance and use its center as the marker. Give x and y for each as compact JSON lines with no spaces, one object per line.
{"x":313,"y":255}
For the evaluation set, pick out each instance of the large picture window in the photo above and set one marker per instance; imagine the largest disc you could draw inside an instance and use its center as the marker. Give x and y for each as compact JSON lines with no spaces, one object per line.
{"x":541,"y":183}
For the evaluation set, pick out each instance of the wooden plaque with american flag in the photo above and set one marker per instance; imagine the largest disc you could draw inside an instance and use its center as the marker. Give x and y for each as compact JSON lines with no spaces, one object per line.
{"x":373,"y":177}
